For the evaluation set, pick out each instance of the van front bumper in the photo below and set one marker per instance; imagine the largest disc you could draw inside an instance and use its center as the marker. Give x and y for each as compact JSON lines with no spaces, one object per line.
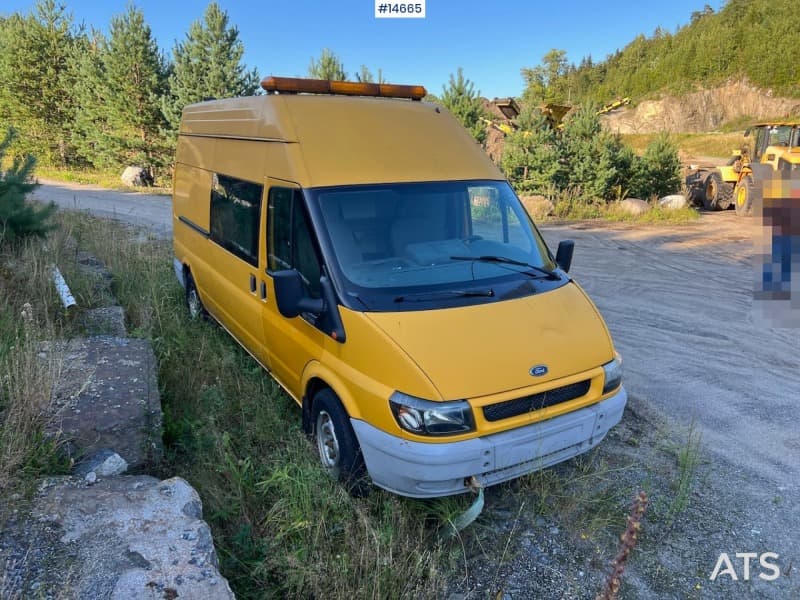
{"x":427,"y":470}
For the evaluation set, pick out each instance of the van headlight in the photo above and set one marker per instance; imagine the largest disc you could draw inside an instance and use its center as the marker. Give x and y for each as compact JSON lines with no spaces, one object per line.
{"x":424,"y":417}
{"x":613,"y":374}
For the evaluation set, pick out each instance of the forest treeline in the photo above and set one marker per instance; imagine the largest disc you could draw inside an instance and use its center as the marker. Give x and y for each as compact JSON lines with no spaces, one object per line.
{"x":78,"y":98}
{"x":754,"y":39}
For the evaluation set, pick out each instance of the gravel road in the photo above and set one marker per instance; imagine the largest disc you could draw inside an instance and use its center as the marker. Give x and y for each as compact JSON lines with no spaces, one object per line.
{"x":148,"y":210}
{"x":678,"y":301}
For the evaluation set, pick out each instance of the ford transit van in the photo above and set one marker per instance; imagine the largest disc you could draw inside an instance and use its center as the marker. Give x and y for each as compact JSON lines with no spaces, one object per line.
{"x":361,"y":246}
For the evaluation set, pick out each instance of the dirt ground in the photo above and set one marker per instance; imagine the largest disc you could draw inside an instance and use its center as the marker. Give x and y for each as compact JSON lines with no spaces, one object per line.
{"x":698,"y":366}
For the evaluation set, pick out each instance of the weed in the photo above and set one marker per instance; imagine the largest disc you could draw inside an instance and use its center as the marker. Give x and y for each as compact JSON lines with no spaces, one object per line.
{"x":688,"y":460}
{"x":628,"y":541}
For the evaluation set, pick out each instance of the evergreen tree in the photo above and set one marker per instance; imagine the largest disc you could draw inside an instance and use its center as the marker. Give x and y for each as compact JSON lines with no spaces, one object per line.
{"x":364,"y":75}
{"x":659,"y":169}
{"x":592,"y":155}
{"x":531,"y":154}
{"x":207,"y":64}
{"x":91,"y":125}
{"x":36,"y":92}
{"x":461,"y":99}
{"x":19,"y":218}
{"x":135,"y":81}
{"x":328,"y":66}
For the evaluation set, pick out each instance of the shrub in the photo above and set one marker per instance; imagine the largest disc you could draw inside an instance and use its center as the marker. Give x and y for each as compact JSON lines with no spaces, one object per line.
{"x":19,"y":218}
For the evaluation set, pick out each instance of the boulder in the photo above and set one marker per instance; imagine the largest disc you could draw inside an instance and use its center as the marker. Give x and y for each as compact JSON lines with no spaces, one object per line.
{"x":104,"y":463}
{"x":673,"y":202}
{"x":137,"y":177}
{"x":125,"y":537}
{"x":634,"y":206}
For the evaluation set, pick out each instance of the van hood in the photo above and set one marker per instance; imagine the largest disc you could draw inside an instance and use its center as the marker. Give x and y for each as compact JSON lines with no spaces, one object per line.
{"x":490,"y":348}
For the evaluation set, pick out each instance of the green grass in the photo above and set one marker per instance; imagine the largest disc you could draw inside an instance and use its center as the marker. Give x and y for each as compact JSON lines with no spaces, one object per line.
{"x":573,"y":209}
{"x":281,"y":526}
{"x":30,"y":312}
{"x":716,"y":144}
{"x":105,"y":179}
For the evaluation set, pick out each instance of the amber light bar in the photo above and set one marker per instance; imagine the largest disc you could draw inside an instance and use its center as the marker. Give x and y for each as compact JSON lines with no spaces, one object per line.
{"x":297,"y":85}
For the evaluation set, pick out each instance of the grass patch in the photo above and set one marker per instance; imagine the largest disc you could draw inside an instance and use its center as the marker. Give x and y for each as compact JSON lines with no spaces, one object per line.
{"x":105,"y":179}
{"x":574,"y":209}
{"x":715,"y":144}
{"x":30,"y":312}
{"x":687,"y":458}
{"x":280,"y":525}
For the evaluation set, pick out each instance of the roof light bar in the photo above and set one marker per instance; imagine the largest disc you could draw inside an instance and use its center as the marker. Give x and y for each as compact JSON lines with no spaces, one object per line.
{"x":296,"y":85}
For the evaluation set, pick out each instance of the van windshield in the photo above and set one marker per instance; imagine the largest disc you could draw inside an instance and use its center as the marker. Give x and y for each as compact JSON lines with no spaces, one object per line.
{"x":436,"y":244}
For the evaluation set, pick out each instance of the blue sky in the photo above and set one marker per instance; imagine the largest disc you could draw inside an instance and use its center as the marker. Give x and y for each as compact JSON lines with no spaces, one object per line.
{"x":491,"y":41}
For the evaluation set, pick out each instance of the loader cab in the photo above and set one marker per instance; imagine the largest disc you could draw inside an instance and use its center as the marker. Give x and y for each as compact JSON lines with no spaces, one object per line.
{"x":781,"y":136}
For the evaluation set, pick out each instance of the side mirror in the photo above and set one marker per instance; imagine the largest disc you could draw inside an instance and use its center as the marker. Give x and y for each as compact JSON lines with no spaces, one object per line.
{"x":292,"y":301}
{"x":290,"y":297}
{"x":564,"y":254}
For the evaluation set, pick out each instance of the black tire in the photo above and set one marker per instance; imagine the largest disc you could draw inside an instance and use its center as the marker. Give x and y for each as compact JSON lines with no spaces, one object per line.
{"x":717,"y":194}
{"x":338,"y":447}
{"x":193,"y":302}
{"x":743,"y":197}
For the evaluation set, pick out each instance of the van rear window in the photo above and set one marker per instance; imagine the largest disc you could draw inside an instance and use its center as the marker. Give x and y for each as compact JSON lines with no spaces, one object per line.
{"x":235,"y":215}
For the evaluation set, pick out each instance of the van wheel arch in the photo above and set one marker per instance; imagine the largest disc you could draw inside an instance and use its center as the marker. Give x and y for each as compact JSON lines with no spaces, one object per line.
{"x":192,"y":296}
{"x":337,"y":444}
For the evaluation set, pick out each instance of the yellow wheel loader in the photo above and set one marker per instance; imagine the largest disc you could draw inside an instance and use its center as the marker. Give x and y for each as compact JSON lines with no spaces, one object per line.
{"x":775,"y":146}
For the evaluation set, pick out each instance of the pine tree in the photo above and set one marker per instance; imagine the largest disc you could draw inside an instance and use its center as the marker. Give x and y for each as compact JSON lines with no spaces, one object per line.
{"x":328,"y":66}
{"x":461,"y":99}
{"x":19,"y":218}
{"x":120,"y":82}
{"x":134,"y":74}
{"x":91,"y":125}
{"x":207,"y":64}
{"x":531,"y":154}
{"x":36,"y":92}
{"x":364,"y":75}
{"x":590,"y":154}
{"x":659,"y":169}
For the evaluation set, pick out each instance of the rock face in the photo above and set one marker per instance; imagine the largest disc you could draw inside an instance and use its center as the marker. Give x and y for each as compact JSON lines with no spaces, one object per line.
{"x":107,"y":397}
{"x":136,"y":177}
{"x":122,"y":538}
{"x":700,"y":111}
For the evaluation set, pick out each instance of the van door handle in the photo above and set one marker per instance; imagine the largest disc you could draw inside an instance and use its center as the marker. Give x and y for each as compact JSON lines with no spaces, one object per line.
{"x":263,"y":290}
{"x":252,"y":283}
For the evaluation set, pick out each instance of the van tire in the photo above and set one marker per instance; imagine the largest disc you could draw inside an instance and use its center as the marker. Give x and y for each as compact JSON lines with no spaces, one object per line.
{"x":193,"y":302}
{"x":338,"y":447}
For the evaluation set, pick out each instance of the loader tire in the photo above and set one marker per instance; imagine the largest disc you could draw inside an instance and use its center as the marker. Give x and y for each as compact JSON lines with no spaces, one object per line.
{"x":743,"y":197}
{"x":717,"y":195}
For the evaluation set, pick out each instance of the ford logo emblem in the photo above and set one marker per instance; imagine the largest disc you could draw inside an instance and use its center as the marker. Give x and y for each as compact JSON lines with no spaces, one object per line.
{"x":538,"y":370}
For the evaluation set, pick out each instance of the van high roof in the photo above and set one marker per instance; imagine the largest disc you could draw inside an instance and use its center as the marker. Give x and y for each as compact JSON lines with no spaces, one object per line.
{"x":334,"y":137}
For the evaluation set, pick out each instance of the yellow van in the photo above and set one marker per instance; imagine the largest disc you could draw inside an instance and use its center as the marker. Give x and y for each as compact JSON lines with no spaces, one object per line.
{"x":363,"y":248}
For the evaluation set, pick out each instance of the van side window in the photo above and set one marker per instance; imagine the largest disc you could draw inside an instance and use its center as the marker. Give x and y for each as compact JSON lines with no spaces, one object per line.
{"x":235,"y":216}
{"x":290,"y":242}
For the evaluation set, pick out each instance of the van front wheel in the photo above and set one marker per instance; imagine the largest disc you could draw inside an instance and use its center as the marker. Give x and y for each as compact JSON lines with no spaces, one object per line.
{"x":338,"y":447}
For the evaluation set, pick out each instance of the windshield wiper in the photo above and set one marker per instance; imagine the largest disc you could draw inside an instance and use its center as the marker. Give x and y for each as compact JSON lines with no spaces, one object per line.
{"x":422,"y":296}
{"x":509,"y":261}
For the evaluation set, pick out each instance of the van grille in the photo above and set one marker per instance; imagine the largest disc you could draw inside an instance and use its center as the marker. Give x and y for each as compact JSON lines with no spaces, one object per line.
{"x":519,"y":406}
